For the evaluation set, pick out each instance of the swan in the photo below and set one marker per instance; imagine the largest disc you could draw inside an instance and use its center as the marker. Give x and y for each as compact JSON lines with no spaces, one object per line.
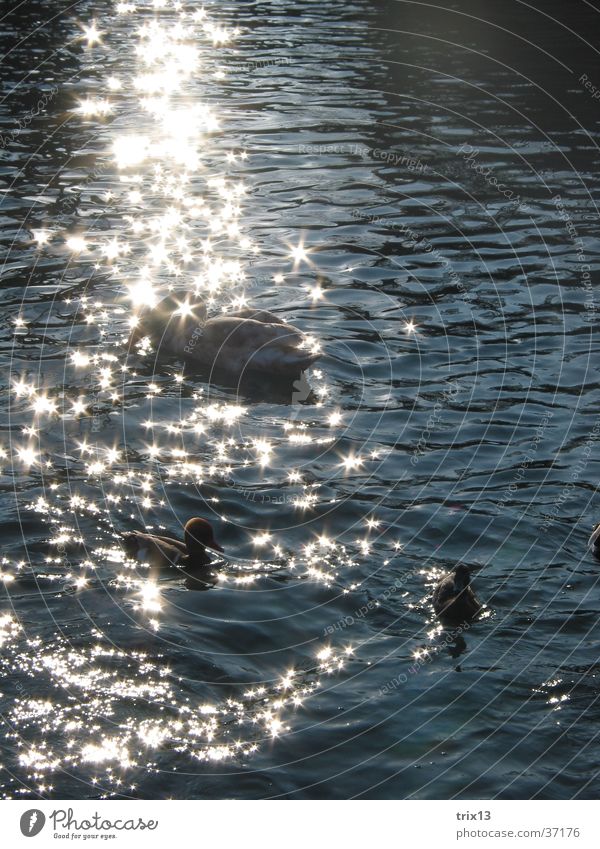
{"x":249,"y":339}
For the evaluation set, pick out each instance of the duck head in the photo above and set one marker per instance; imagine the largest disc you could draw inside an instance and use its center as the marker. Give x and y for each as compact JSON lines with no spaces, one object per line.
{"x":198,"y":536}
{"x":462,"y":578}
{"x":173,"y":316}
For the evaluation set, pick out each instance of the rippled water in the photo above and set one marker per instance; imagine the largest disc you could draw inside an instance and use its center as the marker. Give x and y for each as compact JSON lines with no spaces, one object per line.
{"x":440,"y":172}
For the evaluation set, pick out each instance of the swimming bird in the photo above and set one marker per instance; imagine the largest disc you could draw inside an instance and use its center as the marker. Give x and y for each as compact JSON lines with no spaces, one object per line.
{"x":162,"y":552}
{"x":594,"y":541}
{"x":453,"y":598}
{"x":249,"y":339}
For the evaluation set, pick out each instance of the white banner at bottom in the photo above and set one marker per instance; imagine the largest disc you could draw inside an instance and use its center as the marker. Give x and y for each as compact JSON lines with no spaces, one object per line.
{"x":352,"y":824}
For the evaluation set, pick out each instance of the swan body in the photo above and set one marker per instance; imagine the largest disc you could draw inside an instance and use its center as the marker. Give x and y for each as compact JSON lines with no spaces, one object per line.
{"x":453,"y":598}
{"x":162,"y":552}
{"x":254,"y":340}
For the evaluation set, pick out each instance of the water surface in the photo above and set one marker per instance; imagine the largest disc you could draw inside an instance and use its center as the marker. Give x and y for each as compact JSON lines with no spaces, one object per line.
{"x":438,"y":167}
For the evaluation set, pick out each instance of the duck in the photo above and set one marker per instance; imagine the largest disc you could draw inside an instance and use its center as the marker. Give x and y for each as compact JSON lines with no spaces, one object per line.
{"x":594,"y":541}
{"x":247,"y":340}
{"x":453,"y":599}
{"x":162,"y":552}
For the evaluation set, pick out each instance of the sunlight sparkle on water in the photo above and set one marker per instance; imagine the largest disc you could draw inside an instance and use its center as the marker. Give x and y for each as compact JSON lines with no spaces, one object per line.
{"x":94,"y":106}
{"x":41,"y":237}
{"x":92,"y":34}
{"x":262,"y":539}
{"x":181,"y":231}
{"x":130,"y":150}
{"x":142,"y":294}
{"x":27,"y":455}
{"x":299,"y":254}
{"x":43,"y":404}
{"x":352,"y":462}
{"x":76,"y":244}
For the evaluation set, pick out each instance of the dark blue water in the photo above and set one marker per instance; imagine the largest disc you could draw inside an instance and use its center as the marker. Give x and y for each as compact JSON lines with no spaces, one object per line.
{"x":439,"y":168}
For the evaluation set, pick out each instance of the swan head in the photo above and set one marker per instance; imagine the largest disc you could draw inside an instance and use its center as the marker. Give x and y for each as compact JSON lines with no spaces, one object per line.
{"x":199,"y":535}
{"x":172,"y":314}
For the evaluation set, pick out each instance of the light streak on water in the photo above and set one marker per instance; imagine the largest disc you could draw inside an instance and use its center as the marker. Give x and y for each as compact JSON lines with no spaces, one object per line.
{"x":177,"y":207}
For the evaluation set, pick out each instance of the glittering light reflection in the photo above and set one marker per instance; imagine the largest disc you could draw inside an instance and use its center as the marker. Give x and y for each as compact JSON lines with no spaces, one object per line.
{"x":143,"y":294}
{"x":41,"y":237}
{"x":174,"y":185}
{"x":299,"y":254}
{"x":352,"y":462}
{"x":77,"y":244}
{"x":86,"y":720}
{"x":92,"y":34}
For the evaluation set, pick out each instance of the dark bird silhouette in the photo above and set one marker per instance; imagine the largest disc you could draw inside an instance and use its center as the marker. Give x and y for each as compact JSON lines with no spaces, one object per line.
{"x":453,"y":599}
{"x":162,"y":552}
